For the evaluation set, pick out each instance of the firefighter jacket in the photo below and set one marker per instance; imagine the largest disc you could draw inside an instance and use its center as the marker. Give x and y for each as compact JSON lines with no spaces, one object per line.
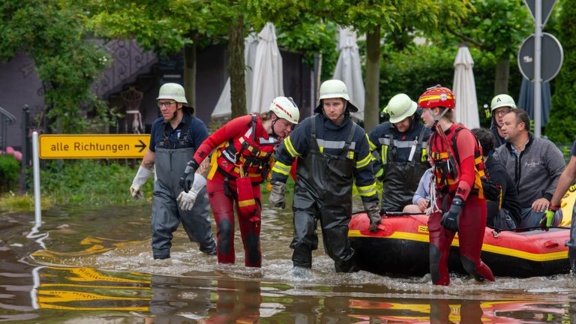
{"x":331,"y":140}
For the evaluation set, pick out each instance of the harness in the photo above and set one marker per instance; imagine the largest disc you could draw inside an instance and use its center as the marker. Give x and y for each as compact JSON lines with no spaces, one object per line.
{"x":182,"y":138}
{"x":250,"y":158}
{"x":417,"y":145}
{"x":446,"y":168}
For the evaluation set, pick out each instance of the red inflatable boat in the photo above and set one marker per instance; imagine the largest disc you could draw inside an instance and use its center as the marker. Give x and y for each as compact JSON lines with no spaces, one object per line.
{"x":401,"y":247}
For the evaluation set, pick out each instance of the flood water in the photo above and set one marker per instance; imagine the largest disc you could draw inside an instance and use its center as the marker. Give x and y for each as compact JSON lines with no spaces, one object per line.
{"x":95,"y":266}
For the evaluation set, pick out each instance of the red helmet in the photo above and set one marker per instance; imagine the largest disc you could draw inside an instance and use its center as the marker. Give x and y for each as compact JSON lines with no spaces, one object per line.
{"x":437,"y":96}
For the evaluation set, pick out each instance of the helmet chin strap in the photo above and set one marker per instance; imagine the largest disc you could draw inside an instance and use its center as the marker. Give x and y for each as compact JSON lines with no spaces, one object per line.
{"x":272,"y":128}
{"x":437,"y":119}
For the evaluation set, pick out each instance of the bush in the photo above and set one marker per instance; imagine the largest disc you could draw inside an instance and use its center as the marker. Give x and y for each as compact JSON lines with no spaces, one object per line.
{"x":94,"y":182}
{"x":9,"y":172}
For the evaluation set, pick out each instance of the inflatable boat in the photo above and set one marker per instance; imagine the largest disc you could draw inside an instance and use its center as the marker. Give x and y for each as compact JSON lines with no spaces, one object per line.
{"x":400,"y":247}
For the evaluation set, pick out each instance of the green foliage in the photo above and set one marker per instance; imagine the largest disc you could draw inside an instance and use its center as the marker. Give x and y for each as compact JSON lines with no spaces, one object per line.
{"x":561,"y":127}
{"x":495,"y":26}
{"x":89,"y":182}
{"x":311,"y":37}
{"x":417,"y":68}
{"x":66,"y":63}
{"x":17,"y":203}
{"x":9,"y":172}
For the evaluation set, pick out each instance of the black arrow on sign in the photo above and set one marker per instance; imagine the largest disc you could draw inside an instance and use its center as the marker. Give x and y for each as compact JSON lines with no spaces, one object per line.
{"x":142,"y":145}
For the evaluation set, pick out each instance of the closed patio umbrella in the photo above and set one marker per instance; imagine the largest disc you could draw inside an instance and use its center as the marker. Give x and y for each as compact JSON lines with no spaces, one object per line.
{"x":464,"y":88}
{"x":267,"y":78}
{"x":349,"y":70}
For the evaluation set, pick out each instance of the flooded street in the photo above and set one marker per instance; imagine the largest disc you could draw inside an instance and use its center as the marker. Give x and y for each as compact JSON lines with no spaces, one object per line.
{"x":96,"y":266}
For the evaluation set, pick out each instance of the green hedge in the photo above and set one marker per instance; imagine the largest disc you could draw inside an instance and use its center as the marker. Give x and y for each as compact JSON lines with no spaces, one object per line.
{"x":9,"y":172}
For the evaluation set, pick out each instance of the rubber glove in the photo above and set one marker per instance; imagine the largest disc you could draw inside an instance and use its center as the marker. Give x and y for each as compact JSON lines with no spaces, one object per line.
{"x":547,"y":219}
{"x":276,"y":197}
{"x":450,"y":218}
{"x":491,"y":190}
{"x":373,"y":212}
{"x":186,"y":200}
{"x":187,"y":179}
{"x":139,"y":180}
{"x":380,"y":174}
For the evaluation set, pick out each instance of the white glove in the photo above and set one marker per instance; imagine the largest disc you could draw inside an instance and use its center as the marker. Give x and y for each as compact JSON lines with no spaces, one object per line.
{"x":139,"y":180}
{"x":186,"y":200}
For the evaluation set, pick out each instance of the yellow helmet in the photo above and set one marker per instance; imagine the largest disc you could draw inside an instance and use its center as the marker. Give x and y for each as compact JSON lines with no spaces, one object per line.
{"x":400,"y":107}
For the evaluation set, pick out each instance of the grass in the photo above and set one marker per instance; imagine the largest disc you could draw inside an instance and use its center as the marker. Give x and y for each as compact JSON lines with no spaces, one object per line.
{"x":11,"y":202}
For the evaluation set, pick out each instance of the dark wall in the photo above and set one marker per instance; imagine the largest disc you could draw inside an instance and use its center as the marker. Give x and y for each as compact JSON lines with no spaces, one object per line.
{"x":20,"y":85}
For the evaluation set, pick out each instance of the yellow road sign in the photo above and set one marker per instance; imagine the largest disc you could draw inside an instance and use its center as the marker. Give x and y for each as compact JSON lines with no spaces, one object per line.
{"x":95,"y":146}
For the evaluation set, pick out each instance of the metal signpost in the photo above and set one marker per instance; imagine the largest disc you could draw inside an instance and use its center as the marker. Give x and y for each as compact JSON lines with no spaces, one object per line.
{"x":540,"y":10}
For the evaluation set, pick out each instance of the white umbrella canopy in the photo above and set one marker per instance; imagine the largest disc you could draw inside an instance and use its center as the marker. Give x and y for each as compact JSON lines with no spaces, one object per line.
{"x":267,"y":82}
{"x":349,"y":70}
{"x":224,"y":105}
{"x":464,"y":88}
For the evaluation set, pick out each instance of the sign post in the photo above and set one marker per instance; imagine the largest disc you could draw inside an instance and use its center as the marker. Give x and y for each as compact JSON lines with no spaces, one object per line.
{"x":96,"y":146}
{"x":540,"y":10}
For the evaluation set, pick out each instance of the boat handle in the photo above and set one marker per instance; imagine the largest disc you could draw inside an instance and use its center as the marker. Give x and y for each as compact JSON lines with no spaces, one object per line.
{"x":551,"y":244}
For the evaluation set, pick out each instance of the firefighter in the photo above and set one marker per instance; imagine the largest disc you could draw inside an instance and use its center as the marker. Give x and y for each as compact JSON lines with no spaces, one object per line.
{"x":500,"y":106}
{"x":174,"y":137}
{"x":243,"y":153}
{"x":332,"y":150}
{"x":458,"y":203}
{"x":400,"y":148}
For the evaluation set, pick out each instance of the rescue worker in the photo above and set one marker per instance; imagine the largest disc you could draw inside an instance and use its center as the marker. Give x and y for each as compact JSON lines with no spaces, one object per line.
{"x":564,"y":182}
{"x":173,"y":138}
{"x":332,"y":150}
{"x":244,"y":149}
{"x":500,"y":106}
{"x":400,"y":147}
{"x":458,"y":203}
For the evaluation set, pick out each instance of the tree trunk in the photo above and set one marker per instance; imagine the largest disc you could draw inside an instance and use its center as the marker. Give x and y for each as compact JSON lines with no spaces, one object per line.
{"x":190,"y":56}
{"x":501,"y":77}
{"x":371,"y":109}
{"x":236,"y":67}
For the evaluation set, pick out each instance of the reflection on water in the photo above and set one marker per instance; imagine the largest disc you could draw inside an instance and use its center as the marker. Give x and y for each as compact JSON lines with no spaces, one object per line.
{"x":96,"y":266}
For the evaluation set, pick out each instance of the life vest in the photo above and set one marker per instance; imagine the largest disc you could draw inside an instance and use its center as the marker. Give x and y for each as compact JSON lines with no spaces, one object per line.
{"x":247,"y":155}
{"x":446,"y":166}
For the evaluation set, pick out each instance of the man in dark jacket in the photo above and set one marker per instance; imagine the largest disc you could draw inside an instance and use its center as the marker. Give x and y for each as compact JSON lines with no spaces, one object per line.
{"x":400,"y":145}
{"x":534,"y":163}
{"x":332,"y":152}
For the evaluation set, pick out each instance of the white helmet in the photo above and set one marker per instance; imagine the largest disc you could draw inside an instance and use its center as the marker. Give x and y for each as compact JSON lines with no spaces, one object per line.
{"x":334,"y":89}
{"x":172,"y":91}
{"x":400,"y":107}
{"x":502,"y":100}
{"x":285,"y":108}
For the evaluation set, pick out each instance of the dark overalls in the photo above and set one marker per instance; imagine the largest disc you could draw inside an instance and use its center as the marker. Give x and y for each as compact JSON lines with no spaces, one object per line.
{"x":404,"y":160}
{"x":323,"y":192}
{"x":171,"y":160}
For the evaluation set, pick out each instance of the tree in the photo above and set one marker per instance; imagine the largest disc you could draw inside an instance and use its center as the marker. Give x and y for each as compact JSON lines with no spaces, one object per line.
{"x":561,"y":128}
{"x":373,"y":18}
{"x":494,"y":26}
{"x":66,"y":62}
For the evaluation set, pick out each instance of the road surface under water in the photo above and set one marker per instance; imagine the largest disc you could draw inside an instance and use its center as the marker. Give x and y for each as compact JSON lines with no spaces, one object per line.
{"x":95,"y":266}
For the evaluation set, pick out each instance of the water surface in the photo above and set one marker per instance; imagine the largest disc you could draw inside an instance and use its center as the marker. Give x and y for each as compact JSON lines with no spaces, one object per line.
{"x":95,"y":266}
